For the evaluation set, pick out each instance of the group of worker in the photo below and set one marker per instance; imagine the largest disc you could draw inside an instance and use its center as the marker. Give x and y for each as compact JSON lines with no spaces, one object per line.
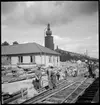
{"x":53,"y":78}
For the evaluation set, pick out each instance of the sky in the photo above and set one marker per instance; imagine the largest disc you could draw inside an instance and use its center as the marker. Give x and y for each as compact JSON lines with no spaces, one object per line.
{"x":74,"y":24}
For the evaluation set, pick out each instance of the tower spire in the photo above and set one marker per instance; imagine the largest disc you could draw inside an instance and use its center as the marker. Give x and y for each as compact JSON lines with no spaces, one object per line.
{"x":48,"y":32}
{"x":48,"y":26}
{"x":49,"y":38}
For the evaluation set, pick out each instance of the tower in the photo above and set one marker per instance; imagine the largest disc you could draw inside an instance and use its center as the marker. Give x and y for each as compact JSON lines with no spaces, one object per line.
{"x":49,"y":39}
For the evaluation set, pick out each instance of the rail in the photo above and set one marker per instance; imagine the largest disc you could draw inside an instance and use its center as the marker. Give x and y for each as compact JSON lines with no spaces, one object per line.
{"x":50,"y":93}
{"x":18,"y":94}
{"x":60,"y":95}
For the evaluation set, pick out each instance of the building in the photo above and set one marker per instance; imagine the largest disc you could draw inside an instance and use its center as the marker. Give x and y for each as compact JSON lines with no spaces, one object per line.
{"x":67,"y":56}
{"x":49,"y":39}
{"x":29,"y":53}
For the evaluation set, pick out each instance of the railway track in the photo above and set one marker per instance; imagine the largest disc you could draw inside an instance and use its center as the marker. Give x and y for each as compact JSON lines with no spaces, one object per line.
{"x":60,"y":94}
{"x":67,"y":94}
{"x":47,"y":92}
{"x":89,"y":93}
{"x":17,"y":96}
{"x":78,"y":91}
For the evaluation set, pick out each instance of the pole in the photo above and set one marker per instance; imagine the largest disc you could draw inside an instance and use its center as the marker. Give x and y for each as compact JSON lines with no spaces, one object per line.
{"x":44,"y":34}
{"x":44,"y":44}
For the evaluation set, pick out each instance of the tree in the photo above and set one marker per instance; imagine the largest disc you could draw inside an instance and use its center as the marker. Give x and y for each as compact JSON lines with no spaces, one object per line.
{"x":15,"y":42}
{"x":5,"y":43}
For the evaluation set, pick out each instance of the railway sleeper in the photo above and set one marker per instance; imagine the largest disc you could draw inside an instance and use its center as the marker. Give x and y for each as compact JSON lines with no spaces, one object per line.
{"x":86,"y":98}
{"x":91,"y":91}
{"x":32,"y":100}
{"x":95,"y":87}
{"x":46,"y":102}
{"x":84,"y":101}
{"x":88,"y":95}
{"x":54,"y":100}
{"x":44,"y":93}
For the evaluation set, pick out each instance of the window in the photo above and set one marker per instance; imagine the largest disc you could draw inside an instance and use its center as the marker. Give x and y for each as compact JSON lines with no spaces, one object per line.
{"x":31,"y":59}
{"x":20,"y":59}
{"x":8,"y":59}
{"x":50,"y":59}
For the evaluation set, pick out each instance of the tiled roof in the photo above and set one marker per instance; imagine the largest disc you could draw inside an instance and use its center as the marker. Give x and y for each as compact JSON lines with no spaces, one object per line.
{"x":26,"y":49}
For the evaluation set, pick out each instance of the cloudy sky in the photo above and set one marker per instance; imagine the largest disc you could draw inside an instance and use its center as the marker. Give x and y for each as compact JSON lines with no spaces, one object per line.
{"x":74,"y":24}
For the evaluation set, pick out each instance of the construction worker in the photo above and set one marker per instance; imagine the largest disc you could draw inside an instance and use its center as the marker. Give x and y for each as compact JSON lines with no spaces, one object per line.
{"x":66,"y":74}
{"x":93,"y":70}
{"x":90,"y":70}
{"x":35,"y":83}
{"x":38,"y":76}
{"x":58,"y":76}
{"x":51,"y":78}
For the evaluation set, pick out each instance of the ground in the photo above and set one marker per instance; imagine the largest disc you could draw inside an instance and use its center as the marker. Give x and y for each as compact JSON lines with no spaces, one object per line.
{"x":16,"y":86}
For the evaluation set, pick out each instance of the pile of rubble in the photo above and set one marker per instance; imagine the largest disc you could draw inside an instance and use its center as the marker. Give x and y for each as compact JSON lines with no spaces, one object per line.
{"x":72,"y":68}
{"x":21,"y":72}
{"x":17,"y":73}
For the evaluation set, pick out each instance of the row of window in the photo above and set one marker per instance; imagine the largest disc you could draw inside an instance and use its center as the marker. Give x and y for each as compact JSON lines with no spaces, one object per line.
{"x":50,"y":61}
{"x":32,"y":59}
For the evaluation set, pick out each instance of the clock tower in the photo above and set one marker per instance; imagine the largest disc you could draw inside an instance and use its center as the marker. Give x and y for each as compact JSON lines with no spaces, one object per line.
{"x":49,"y":38}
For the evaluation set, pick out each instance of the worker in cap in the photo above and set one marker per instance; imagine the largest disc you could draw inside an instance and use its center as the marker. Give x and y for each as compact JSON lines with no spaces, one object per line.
{"x":38,"y":76}
{"x":66,"y":74}
{"x":51,"y":77}
{"x":58,"y":76}
{"x":35,"y":84}
{"x":90,"y":70}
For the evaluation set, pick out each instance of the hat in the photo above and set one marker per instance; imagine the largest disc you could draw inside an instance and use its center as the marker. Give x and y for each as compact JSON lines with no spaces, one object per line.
{"x":51,"y":67}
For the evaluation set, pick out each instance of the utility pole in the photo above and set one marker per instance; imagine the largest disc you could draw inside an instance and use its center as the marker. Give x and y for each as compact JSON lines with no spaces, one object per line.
{"x":44,"y":35}
{"x":44,"y":43}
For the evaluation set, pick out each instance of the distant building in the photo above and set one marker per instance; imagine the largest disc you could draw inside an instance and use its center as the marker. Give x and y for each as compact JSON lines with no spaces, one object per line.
{"x":29,"y":53}
{"x":49,"y":39}
{"x":67,"y":55}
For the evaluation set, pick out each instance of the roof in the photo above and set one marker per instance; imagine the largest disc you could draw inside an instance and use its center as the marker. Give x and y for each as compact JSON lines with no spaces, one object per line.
{"x":26,"y":49}
{"x":78,"y":54}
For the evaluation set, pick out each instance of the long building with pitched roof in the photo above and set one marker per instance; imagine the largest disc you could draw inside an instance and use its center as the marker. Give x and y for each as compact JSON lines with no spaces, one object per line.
{"x":29,"y":53}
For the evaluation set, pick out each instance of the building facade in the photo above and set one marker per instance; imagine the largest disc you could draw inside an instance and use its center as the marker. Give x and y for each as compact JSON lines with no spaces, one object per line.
{"x":30,"y":53}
